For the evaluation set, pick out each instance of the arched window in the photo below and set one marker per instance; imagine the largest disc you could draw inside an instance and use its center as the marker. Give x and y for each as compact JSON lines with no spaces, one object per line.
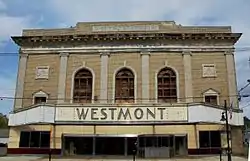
{"x":167,"y":89}
{"x":83,"y":86}
{"x":124,"y":86}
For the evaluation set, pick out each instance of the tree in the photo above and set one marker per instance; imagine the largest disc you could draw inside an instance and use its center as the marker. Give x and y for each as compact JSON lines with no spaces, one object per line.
{"x":3,"y":121}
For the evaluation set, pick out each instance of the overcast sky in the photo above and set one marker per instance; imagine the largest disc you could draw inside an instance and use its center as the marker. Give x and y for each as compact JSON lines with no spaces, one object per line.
{"x":16,"y":15}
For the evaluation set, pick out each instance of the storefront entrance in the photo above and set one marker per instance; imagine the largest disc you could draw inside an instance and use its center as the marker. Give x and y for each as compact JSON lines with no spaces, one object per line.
{"x":161,"y":146}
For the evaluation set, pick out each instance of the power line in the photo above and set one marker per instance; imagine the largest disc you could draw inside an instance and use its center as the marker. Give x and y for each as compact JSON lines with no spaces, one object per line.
{"x":137,"y":99}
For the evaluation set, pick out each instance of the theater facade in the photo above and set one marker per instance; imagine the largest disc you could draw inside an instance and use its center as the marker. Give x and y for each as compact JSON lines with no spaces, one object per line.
{"x":104,"y":88}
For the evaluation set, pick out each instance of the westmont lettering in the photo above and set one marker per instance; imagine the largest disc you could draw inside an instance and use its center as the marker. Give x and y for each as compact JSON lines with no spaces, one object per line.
{"x":123,"y":113}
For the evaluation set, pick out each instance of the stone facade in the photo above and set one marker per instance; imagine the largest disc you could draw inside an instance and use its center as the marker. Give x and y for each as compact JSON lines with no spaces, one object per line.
{"x":202,"y":64}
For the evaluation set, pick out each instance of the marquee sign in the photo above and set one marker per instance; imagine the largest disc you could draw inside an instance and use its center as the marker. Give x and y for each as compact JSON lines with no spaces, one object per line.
{"x":125,"y":28}
{"x":121,"y":114}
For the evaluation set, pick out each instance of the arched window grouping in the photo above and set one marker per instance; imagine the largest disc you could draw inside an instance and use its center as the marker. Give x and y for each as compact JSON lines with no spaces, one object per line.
{"x":167,"y":85}
{"x":124,"y":86}
{"x":124,"y":91}
{"x":83,"y":81}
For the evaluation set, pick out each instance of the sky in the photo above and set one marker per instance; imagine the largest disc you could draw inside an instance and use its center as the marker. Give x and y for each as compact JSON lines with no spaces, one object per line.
{"x":16,"y":15}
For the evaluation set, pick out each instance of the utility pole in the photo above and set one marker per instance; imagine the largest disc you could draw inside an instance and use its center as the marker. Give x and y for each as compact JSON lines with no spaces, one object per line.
{"x":227,"y":131}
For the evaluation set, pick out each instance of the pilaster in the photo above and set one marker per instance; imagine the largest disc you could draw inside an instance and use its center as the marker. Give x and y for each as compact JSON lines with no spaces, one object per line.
{"x":20,"y":80}
{"x":231,"y":78}
{"x":145,"y":76}
{"x":188,"y":76}
{"x":62,"y":77}
{"x":104,"y":77}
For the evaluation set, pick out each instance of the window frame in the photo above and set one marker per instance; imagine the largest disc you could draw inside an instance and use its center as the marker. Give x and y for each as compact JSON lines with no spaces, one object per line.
{"x":91,"y":77}
{"x":211,"y":92}
{"x":40,"y":94}
{"x":157,"y":83}
{"x":73,"y":82}
{"x":129,"y":78}
{"x":29,"y":133}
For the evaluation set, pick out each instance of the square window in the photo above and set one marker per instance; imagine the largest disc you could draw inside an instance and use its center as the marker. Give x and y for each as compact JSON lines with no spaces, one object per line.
{"x":38,"y":100}
{"x":211,"y":100}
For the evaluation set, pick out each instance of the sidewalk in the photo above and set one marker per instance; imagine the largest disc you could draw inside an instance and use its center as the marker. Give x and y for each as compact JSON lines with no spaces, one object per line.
{"x":40,"y":158}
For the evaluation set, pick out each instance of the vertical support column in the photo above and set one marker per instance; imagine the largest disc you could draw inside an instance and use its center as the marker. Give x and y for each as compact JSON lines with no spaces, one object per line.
{"x":104,"y":78}
{"x":145,"y":76}
{"x":20,"y":80}
{"x":231,"y":78}
{"x":126,"y":146}
{"x":188,"y":76}
{"x":62,"y":77}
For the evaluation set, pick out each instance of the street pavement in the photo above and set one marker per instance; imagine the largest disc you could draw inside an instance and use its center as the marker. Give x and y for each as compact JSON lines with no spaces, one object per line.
{"x":42,"y":158}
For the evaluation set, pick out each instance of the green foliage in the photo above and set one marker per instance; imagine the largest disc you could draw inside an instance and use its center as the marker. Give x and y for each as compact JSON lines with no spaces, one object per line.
{"x":246,"y":122}
{"x":3,"y":121}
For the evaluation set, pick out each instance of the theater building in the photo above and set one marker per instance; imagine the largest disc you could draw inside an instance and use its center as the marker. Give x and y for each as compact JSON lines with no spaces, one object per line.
{"x":100,"y":87}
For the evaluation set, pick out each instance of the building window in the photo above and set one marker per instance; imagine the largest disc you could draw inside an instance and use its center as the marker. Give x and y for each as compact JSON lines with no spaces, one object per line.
{"x":211,"y":96}
{"x":39,"y":100}
{"x":210,"y":139}
{"x":83,"y":86}
{"x":211,"y":100}
{"x":124,"y":86}
{"x":40,"y":97}
{"x":34,"y":139}
{"x":167,"y":88}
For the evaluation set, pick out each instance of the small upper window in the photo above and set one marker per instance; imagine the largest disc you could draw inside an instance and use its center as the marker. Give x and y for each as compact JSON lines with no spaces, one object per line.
{"x":40,"y":97}
{"x":211,"y":96}
{"x":39,"y":100}
{"x":211,"y":99}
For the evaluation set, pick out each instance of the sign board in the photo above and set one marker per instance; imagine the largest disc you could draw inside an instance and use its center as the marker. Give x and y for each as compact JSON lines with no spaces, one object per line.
{"x":121,"y":114}
{"x":109,"y":28}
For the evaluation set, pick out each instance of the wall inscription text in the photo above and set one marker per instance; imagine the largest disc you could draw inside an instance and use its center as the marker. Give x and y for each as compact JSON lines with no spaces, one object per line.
{"x":125,"y":28}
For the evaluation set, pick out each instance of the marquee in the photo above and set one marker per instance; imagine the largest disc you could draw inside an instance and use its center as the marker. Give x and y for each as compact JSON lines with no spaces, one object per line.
{"x":102,"y":114}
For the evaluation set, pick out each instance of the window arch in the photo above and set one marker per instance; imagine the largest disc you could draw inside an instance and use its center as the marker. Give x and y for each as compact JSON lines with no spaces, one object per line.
{"x":82,"y":91}
{"x":167,"y":85}
{"x":124,"y":86}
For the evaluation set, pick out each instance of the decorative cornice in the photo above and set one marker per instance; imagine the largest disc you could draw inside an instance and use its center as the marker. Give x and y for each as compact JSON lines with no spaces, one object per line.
{"x":29,"y":40}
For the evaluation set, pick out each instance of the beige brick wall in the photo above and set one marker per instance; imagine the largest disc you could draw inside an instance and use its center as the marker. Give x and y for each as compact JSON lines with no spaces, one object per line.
{"x":237,"y":140}
{"x":133,"y":60}
{"x":49,"y":86}
{"x":157,"y":62}
{"x":201,"y":84}
{"x":116,"y":61}
{"x":77,"y":61}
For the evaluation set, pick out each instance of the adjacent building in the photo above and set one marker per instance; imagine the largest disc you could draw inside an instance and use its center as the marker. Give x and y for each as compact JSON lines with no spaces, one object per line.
{"x":154,"y":85}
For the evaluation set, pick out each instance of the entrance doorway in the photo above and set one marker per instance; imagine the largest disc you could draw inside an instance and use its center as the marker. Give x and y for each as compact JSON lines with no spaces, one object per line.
{"x":130,"y":145}
{"x":109,"y":146}
{"x":180,"y":145}
{"x":78,"y":145}
{"x":148,"y":146}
